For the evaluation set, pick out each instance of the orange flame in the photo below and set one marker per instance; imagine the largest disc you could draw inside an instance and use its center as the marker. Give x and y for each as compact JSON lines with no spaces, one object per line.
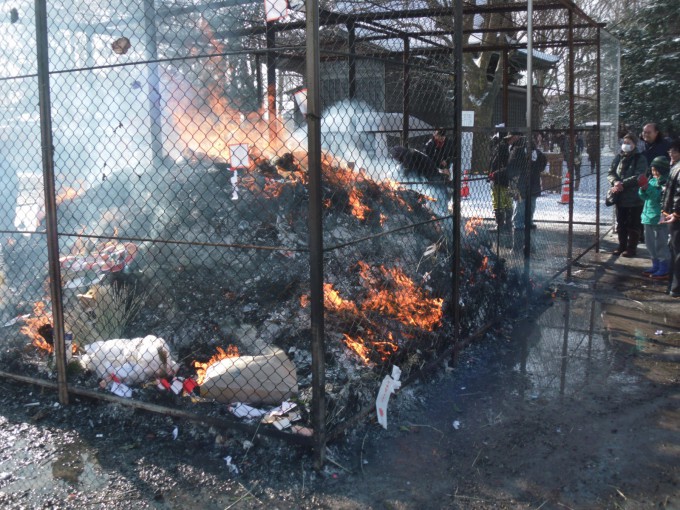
{"x":358,"y":347}
{"x":208,"y":122}
{"x":391,"y":293}
{"x":33,"y":324}
{"x":68,"y":194}
{"x":201,"y":367}
{"x":333,"y":301}
{"x":364,"y":347}
{"x":472,"y":224}
{"x":399,"y":297}
{"x":359,"y":210}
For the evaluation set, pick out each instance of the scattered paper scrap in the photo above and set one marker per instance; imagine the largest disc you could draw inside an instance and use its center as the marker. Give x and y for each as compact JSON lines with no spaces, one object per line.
{"x":245,"y":411}
{"x":232,"y":468}
{"x":120,"y":389}
{"x":389,"y":385}
{"x":177,"y":386}
{"x":283,"y":416}
{"x":456,"y":424}
{"x":16,"y":319}
{"x":302,"y":430}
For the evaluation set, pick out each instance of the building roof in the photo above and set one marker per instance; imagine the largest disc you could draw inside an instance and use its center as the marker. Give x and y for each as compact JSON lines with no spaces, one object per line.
{"x":540,"y":60}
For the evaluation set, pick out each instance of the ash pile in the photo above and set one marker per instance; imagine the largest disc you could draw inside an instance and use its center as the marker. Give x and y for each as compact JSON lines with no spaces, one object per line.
{"x":193,"y":287}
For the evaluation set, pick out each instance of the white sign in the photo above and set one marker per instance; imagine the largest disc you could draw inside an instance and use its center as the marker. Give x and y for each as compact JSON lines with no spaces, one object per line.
{"x":239,"y":155}
{"x":301,"y":100}
{"x":466,"y":141}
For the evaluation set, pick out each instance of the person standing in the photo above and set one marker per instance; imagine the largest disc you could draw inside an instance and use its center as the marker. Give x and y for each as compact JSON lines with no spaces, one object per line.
{"x":670,"y":215}
{"x":656,"y":233}
{"x":593,"y":147}
{"x":525,"y":165}
{"x":576,"y":162}
{"x":623,"y":176}
{"x":518,"y":162}
{"x":440,"y":150}
{"x":655,"y":143}
{"x":498,"y":177}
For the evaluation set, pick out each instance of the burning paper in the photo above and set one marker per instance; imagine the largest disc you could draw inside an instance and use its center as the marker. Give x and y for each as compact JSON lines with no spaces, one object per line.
{"x":388,"y":386}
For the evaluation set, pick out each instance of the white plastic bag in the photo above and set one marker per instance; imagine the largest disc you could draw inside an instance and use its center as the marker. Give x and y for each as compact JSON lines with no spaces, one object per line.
{"x":131,"y":360}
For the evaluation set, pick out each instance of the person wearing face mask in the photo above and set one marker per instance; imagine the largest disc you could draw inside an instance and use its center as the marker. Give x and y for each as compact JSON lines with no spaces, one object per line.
{"x":624,"y":172}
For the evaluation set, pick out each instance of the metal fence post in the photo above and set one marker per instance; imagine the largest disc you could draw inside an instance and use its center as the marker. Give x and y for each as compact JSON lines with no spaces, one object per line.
{"x":315,"y":232}
{"x":50,"y":196}
{"x":457,"y":170}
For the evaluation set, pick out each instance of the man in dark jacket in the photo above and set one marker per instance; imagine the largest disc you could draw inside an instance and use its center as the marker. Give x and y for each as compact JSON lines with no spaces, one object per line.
{"x":655,"y":143}
{"x":525,"y":183}
{"x":414,"y":161}
{"x":440,"y":150}
{"x":593,"y":147}
{"x":670,"y":214}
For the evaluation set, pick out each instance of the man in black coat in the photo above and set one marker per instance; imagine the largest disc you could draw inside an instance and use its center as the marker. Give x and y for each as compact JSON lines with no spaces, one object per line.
{"x":655,"y":143}
{"x":525,"y":165}
{"x":440,"y":150}
{"x":670,"y":215}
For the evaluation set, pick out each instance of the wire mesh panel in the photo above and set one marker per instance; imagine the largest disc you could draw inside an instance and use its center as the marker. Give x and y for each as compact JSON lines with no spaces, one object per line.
{"x":23,"y":249}
{"x":181,"y":209}
{"x":183,"y":173}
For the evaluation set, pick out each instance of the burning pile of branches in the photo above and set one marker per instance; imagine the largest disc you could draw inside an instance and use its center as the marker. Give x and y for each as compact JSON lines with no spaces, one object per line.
{"x":232,"y":264}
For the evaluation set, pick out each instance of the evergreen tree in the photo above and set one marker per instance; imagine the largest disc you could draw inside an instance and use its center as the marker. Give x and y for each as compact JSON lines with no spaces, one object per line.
{"x":650,"y":65}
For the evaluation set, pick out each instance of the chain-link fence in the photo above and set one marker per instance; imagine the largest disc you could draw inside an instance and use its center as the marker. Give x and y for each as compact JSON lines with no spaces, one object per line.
{"x":234,"y":206}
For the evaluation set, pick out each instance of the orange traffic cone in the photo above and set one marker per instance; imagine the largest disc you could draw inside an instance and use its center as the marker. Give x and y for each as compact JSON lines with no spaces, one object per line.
{"x":464,"y":188}
{"x":565,"y":191}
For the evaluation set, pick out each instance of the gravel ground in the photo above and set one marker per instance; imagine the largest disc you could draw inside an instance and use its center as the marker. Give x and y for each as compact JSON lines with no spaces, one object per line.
{"x":574,"y":404}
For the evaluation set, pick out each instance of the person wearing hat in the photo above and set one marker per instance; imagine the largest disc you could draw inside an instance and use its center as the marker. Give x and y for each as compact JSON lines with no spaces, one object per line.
{"x":440,"y":150}
{"x":498,"y":177}
{"x":656,"y":234}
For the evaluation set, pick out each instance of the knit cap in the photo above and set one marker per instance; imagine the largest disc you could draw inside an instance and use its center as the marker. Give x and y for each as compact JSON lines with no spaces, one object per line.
{"x":662,"y":164}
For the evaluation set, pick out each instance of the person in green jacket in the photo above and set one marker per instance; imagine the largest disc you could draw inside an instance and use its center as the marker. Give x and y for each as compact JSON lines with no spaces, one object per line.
{"x":656,"y":234}
{"x":623,"y":175}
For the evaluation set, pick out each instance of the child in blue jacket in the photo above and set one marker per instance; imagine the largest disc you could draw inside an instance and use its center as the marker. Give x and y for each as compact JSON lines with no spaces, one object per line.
{"x":656,"y":235}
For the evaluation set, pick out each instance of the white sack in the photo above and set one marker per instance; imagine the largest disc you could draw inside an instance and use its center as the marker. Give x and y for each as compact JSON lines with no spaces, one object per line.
{"x":132,"y":360}
{"x":266,"y":379}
